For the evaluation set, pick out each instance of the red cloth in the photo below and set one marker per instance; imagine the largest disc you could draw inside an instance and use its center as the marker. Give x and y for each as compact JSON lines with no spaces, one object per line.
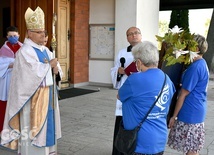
{"x":14,"y":47}
{"x":3,"y":105}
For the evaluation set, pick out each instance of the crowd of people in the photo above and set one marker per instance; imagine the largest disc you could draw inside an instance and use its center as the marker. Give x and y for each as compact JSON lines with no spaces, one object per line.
{"x":27,"y":101}
{"x":137,"y":92}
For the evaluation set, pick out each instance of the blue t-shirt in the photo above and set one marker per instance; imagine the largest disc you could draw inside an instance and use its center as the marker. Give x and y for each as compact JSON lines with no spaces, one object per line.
{"x":195,"y":80}
{"x":137,"y":94}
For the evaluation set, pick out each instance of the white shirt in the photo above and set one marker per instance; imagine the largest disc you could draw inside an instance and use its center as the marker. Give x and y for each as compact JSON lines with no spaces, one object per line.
{"x":114,"y":71}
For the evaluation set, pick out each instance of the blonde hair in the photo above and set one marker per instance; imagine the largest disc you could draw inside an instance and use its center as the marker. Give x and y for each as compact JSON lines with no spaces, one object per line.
{"x":202,"y":43}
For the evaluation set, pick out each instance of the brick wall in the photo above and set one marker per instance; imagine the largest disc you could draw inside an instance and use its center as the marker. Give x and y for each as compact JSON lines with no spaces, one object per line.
{"x":79,"y":41}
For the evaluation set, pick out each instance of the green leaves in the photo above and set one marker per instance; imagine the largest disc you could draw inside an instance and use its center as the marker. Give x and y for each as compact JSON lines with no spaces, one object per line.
{"x":179,"y":45}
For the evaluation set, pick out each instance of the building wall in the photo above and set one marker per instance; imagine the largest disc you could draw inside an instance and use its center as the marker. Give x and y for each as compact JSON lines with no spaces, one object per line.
{"x":122,"y":14}
{"x":83,"y":13}
{"x":102,"y":12}
{"x":79,"y":41}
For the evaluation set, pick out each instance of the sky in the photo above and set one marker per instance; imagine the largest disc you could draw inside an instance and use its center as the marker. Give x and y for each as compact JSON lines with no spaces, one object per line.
{"x":197,"y":19}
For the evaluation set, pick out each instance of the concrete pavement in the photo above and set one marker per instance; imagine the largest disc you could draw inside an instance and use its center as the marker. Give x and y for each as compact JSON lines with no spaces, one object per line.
{"x":88,"y":124}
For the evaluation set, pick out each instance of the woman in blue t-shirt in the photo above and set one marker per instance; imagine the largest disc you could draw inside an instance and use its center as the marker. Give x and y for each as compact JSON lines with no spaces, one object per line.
{"x":138,"y":94}
{"x":187,"y":132}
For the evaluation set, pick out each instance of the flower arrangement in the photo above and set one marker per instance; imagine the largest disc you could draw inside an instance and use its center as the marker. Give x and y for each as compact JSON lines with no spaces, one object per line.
{"x":181,"y":46}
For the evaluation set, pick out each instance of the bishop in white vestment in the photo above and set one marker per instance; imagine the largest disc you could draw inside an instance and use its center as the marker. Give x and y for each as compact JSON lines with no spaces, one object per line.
{"x":32,"y":120}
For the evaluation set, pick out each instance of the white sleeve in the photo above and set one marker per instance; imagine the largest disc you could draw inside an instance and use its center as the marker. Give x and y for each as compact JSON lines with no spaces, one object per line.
{"x":60,"y":70}
{"x":4,"y":63}
{"x":114,"y":73}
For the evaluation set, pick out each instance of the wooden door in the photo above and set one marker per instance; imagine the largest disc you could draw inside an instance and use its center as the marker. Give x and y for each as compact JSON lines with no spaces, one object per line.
{"x":63,"y":39}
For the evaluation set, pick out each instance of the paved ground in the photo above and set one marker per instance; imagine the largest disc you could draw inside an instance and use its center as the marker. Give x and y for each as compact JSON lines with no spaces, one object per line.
{"x":88,"y":123}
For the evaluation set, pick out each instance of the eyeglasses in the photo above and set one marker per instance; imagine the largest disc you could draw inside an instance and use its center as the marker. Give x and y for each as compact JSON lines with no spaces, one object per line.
{"x":133,"y":33}
{"x":39,"y":32}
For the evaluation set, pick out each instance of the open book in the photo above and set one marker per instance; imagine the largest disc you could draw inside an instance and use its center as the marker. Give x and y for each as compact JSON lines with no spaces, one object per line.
{"x":130,"y":69}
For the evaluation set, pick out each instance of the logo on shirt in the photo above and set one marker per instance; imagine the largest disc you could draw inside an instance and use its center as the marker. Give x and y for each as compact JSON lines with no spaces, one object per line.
{"x":163,"y":98}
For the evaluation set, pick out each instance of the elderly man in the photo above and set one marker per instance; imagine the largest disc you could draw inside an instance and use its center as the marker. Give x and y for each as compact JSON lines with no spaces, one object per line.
{"x":32,"y":120}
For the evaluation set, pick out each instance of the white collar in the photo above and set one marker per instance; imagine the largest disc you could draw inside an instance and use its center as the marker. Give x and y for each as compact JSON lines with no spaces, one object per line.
{"x":30,"y":42}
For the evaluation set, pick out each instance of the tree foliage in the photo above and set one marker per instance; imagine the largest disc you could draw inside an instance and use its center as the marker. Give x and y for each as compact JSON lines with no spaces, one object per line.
{"x":180,"y":18}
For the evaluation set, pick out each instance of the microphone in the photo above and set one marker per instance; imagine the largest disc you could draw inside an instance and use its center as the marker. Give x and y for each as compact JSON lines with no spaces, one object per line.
{"x":122,"y":61}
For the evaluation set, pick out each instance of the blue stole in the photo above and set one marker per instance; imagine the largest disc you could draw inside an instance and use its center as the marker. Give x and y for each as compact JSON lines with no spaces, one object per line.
{"x":50,"y":135}
{"x":43,"y":56}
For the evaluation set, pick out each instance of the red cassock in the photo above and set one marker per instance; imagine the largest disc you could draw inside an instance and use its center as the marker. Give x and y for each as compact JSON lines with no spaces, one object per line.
{"x":3,"y":105}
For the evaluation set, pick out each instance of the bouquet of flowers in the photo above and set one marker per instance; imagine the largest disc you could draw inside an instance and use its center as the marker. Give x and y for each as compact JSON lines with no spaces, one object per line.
{"x":181,"y":46}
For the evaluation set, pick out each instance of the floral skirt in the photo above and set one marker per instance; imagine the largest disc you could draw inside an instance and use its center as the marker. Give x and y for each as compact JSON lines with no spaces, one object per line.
{"x":186,"y":137}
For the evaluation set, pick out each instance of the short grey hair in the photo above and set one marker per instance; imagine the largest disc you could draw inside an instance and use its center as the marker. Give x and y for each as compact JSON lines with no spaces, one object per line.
{"x":147,"y":52}
{"x":202,"y":43}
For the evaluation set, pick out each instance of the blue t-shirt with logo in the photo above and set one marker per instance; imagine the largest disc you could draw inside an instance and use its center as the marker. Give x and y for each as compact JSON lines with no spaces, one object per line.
{"x":195,"y":80}
{"x":137,"y":94}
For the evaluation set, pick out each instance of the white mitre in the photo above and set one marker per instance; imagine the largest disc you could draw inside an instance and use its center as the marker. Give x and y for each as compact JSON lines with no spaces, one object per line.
{"x":35,"y":19}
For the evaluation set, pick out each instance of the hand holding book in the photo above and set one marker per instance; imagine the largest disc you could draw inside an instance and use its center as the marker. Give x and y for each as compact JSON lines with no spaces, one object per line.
{"x":130,"y":69}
